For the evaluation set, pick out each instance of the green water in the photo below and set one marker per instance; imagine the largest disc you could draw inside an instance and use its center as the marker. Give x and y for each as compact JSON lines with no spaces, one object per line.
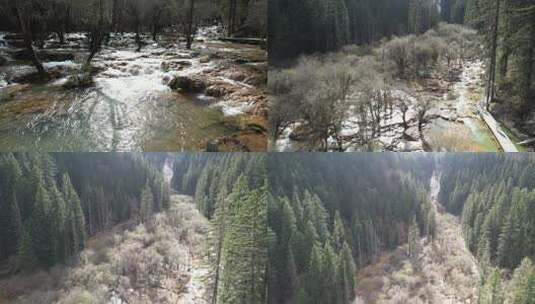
{"x":46,"y":118}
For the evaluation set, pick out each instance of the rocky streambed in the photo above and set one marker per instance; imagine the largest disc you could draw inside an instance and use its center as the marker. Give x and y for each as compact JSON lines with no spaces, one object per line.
{"x":451,"y":122}
{"x":163,"y":98}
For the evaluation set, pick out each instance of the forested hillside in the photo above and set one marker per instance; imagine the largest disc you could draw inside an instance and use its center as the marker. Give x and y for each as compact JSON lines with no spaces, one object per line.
{"x":231,"y":191}
{"x":115,"y":234}
{"x":329,"y":214}
{"x":508,"y":28}
{"x":304,"y":27}
{"x":391,"y":228}
{"x":495,"y":196}
{"x":54,"y":202}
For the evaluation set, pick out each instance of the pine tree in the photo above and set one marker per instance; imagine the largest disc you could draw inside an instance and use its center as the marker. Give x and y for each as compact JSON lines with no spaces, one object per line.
{"x":492,"y":291}
{"x":414,"y":248}
{"x":11,"y":224}
{"x":26,"y":258}
{"x":329,"y":278}
{"x":220,"y":223}
{"x":41,"y":233}
{"x":313,"y":279}
{"x":346,"y":276}
{"x":201,"y":197}
{"x":147,"y":200}
{"x":57,"y":222}
{"x":520,"y":281}
{"x":244,"y":255}
{"x":75,"y":226}
{"x":10,"y":217}
{"x":339,"y":232}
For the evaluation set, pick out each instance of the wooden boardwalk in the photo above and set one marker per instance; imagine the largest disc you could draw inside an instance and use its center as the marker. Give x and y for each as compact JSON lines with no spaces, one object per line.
{"x":505,"y":142}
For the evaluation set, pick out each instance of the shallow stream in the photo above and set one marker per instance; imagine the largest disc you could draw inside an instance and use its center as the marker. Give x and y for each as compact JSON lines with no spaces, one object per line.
{"x":130,"y":107}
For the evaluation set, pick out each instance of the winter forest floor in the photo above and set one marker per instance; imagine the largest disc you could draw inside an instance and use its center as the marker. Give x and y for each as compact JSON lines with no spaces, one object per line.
{"x":448,"y":272}
{"x":159,"y":262}
{"x":162,"y":98}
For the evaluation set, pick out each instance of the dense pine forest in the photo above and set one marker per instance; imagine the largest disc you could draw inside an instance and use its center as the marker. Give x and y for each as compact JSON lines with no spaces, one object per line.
{"x":125,"y":228}
{"x":339,"y":221}
{"x":494,"y":195}
{"x":423,"y":53}
{"x":55,"y":202}
{"x":330,"y":215}
{"x":230,"y":190}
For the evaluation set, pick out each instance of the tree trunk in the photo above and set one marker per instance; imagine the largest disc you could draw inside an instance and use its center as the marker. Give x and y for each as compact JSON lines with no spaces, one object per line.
{"x":138,"y":39}
{"x":231,"y":17}
{"x":528,"y":77}
{"x":61,"y":37}
{"x":492,"y":67}
{"x":28,"y":41}
{"x":189,"y":38}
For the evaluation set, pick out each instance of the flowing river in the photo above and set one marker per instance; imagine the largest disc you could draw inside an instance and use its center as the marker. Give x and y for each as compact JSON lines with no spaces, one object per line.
{"x":130,"y":107}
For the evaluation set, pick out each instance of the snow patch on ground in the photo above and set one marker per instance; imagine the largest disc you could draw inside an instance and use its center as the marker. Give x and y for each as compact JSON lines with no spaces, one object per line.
{"x":3,"y":42}
{"x":55,"y":64}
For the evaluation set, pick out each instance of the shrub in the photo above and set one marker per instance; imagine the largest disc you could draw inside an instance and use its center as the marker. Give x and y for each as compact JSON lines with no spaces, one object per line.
{"x":83,"y":296}
{"x":397,"y":51}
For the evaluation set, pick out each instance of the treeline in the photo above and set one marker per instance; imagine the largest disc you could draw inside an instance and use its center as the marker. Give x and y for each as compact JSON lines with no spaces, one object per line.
{"x":231,"y":191}
{"x":508,"y":27}
{"x":38,"y":20}
{"x":329,"y":215}
{"x":239,"y":17}
{"x":496,"y":196}
{"x":54,"y":202}
{"x":305,"y":27}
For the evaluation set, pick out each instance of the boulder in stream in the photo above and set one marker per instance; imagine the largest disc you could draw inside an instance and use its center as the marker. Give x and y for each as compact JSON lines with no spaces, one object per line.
{"x":220,"y":89}
{"x":79,"y":80}
{"x":187,"y":84}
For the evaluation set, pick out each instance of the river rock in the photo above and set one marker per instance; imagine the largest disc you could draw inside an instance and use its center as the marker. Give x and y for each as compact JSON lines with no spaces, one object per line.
{"x":187,"y":84}
{"x":220,"y":89}
{"x":3,"y":61}
{"x":204,"y":59}
{"x":166,"y":66}
{"x":412,"y":146}
{"x":412,"y":133}
{"x":80,"y":80}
